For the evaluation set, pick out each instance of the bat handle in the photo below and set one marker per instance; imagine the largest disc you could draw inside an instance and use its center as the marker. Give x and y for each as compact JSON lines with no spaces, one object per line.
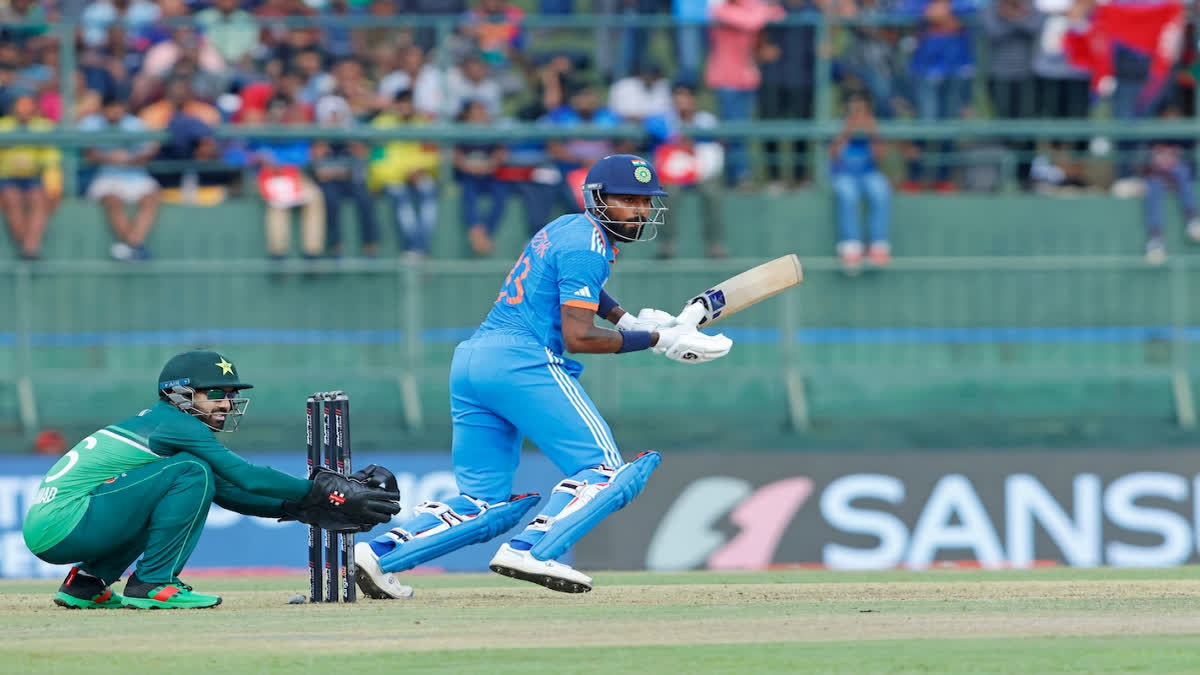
{"x":695,"y":314}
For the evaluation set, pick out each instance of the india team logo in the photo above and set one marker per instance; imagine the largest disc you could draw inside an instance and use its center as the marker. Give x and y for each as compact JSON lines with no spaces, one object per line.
{"x":642,"y":174}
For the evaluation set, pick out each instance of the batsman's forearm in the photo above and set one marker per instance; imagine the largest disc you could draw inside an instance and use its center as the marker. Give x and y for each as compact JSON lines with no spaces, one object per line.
{"x":232,"y":497}
{"x":582,"y":336}
{"x":596,"y":340}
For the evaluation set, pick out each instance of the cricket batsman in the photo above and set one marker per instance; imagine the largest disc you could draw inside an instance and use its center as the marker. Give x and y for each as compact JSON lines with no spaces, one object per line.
{"x":143,"y":487}
{"x":510,"y":380}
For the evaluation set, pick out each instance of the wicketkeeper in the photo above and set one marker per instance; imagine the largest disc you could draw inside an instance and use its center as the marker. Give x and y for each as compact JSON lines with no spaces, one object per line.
{"x":143,"y":487}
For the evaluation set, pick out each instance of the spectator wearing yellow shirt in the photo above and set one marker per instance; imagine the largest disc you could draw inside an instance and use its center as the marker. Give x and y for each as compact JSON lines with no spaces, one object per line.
{"x":405,"y":171}
{"x":23,"y":198}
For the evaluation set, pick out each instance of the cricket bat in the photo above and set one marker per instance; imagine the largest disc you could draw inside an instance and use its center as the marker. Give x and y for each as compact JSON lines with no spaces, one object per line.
{"x":752,"y":286}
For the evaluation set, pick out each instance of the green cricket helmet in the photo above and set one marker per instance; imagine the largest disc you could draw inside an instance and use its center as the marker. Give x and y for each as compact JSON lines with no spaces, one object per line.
{"x":209,"y":372}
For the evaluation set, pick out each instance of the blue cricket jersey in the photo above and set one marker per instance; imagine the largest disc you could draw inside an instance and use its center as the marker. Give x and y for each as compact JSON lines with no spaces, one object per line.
{"x":566,"y":263}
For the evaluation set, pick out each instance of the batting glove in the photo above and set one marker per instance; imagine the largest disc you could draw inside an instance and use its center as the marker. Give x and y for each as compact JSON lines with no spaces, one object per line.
{"x":648,"y":319}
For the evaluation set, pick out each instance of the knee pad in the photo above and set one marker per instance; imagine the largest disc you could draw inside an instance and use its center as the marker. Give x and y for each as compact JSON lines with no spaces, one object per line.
{"x":591,"y":503}
{"x":438,"y":529}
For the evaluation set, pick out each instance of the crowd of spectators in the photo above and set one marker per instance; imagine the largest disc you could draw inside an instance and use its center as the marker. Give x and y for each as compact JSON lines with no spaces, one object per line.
{"x":187,"y":67}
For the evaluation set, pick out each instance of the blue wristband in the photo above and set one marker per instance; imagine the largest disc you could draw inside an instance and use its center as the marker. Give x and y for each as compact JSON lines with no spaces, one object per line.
{"x":635,"y":341}
{"x":607,"y":305}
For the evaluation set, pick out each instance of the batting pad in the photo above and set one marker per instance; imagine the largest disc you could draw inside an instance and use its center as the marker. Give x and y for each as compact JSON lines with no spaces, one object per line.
{"x":625,"y":485}
{"x":462,"y":531}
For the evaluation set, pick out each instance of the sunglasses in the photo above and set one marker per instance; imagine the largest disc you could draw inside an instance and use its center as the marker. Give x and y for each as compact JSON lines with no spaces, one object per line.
{"x":219,"y":394}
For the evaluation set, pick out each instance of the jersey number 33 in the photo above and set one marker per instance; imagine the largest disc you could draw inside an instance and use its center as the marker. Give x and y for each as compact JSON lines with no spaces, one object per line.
{"x":513,"y":292}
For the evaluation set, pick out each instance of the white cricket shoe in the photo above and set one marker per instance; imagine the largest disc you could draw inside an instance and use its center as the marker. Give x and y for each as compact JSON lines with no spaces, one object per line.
{"x":1193,"y":229}
{"x":1156,"y":251}
{"x":372,"y":580}
{"x":553,"y":575}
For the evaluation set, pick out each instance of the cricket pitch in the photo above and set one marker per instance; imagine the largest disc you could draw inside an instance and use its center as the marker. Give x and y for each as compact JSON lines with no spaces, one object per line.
{"x":1046,"y":620}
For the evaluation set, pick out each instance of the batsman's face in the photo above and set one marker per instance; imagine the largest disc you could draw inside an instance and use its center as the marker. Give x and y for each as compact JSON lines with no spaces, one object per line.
{"x":632,"y":210}
{"x":214,"y":404}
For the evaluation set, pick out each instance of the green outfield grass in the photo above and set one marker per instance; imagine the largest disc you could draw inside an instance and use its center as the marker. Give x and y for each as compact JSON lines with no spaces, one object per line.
{"x":1054,"y":620}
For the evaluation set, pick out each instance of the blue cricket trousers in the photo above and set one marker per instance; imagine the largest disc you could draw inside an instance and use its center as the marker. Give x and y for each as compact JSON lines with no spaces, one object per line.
{"x":507,"y":387}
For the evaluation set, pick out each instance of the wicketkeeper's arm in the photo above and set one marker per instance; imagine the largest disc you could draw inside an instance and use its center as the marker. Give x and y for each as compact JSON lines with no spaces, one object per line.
{"x":232,"y":497}
{"x":197,"y":440}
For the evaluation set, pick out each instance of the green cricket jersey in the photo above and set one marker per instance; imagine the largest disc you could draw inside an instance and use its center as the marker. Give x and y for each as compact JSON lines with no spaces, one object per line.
{"x":162,"y":431}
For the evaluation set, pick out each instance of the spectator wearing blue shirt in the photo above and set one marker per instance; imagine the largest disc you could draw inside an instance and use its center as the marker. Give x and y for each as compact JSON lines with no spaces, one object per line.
{"x":856,"y":175}
{"x":583,"y":108}
{"x":943,"y":70}
{"x":97,"y":17}
{"x":556,"y":6}
{"x":691,"y":18}
{"x":575,"y":156}
{"x":341,"y":41}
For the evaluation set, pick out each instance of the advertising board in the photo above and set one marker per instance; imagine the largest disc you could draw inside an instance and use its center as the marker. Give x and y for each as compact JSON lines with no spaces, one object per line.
{"x":754,"y":510}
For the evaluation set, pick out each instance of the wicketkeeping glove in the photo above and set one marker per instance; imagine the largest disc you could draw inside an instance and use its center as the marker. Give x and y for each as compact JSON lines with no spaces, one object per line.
{"x":349,"y":503}
{"x":321,"y":517}
{"x":377,"y":476}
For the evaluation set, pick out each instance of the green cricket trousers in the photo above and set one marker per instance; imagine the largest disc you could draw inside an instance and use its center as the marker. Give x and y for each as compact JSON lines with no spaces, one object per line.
{"x":156,"y":511}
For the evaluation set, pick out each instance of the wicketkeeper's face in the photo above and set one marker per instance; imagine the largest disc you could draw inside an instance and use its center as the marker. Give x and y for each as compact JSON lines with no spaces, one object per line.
{"x":214,"y":405}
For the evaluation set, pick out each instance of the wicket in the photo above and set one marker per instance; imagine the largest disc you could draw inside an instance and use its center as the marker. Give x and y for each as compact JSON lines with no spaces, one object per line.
{"x":334,"y":437}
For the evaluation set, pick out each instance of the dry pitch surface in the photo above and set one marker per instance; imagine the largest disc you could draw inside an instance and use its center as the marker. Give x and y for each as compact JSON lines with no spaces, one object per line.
{"x":1049,"y":620}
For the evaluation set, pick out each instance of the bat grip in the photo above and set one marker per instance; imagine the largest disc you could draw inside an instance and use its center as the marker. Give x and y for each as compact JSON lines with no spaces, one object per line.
{"x":695,"y":314}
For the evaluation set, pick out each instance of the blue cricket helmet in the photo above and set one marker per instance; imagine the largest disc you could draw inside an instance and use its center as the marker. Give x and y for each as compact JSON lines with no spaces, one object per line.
{"x":624,"y":175}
